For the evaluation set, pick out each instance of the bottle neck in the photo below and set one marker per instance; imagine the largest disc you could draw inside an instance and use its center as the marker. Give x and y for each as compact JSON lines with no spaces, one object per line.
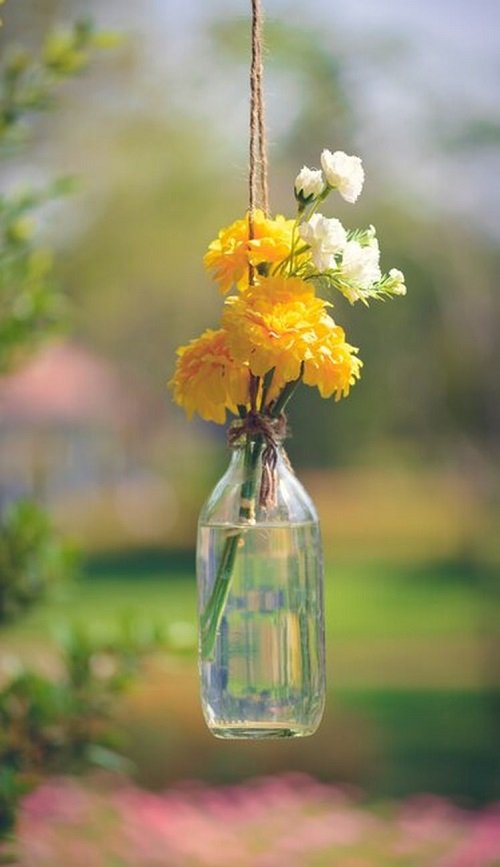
{"x":258,"y":465}
{"x":250,"y":452}
{"x":260,"y":437}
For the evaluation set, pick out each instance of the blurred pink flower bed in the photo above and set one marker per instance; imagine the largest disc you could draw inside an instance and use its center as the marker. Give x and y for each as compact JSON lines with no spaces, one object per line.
{"x":288,"y":821}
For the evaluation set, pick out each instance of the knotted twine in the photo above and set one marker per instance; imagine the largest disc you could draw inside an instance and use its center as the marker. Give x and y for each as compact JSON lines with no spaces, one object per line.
{"x":270,"y":430}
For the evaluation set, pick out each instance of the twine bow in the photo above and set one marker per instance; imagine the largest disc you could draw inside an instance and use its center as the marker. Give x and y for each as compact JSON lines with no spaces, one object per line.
{"x":272,"y":431}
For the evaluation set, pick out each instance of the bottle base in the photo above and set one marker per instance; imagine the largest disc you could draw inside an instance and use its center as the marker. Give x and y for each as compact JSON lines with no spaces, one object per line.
{"x":259,"y":730}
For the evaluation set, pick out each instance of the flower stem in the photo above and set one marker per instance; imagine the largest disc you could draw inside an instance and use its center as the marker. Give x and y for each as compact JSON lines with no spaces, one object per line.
{"x":266,"y":385}
{"x":294,"y":240}
{"x":286,"y":394}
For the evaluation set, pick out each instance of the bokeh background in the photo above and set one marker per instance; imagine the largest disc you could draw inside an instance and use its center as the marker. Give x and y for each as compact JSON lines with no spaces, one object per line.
{"x":404,"y":474}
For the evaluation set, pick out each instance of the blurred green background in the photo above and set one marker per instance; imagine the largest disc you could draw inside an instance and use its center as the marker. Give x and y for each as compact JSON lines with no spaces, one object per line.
{"x":404,"y":474}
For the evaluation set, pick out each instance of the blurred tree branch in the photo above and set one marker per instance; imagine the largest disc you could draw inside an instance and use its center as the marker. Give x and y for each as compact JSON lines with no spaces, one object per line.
{"x":31,"y":303}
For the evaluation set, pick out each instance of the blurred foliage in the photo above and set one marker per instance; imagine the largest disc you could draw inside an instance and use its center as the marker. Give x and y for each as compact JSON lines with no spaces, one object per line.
{"x":66,"y":725}
{"x":42,"y":723}
{"x":12,"y":788}
{"x":477,"y":134}
{"x":31,"y":302}
{"x":32,"y":558}
{"x":28,"y":83}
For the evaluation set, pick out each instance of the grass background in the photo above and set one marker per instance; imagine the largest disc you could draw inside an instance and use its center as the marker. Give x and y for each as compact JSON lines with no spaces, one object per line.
{"x":413,"y":699}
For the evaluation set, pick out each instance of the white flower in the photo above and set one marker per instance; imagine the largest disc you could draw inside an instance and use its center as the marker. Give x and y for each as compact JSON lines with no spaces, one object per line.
{"x":360,"y":265}
{"x":325,"y":237}
{"x":398,"y":282}
{"x":344,"y":173}
{"x":309,"y":183}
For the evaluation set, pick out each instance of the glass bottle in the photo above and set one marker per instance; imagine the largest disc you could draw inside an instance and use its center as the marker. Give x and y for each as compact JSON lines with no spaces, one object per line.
{"x":260,"y":595}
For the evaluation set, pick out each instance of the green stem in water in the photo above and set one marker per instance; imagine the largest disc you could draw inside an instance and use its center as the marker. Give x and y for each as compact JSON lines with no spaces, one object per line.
{"x":212,"y":614}
{"x":214,"y":609}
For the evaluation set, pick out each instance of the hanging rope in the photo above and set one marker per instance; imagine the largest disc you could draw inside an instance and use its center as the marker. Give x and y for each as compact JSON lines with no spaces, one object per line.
{"x":258,"y":194}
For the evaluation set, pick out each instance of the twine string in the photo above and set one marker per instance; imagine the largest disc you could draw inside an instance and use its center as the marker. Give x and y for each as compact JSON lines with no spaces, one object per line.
{"x":260,"y":111}
{"x":258,"y":192}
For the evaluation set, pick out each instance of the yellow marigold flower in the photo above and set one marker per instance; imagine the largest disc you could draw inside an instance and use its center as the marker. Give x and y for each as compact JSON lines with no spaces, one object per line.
{"x":207,"y":379}
{"x":332,"y":364}
{"x":280,"y":323}
{"x":229,"y":256}
{"x":275,"y":324}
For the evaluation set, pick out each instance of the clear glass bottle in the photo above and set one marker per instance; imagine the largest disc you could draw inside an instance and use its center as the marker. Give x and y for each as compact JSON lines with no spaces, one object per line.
{"x":260,"y":593}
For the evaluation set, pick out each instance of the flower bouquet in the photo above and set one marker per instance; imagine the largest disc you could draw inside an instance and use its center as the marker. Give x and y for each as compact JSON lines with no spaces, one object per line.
{"x":276,"y":334}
